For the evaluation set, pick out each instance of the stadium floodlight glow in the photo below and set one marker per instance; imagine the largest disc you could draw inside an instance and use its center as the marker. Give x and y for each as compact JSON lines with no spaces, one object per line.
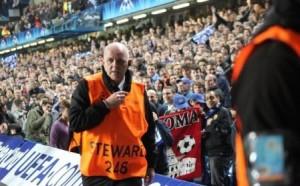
{"x":183,"y":5}
{"x":50,"y":39}
{"x":33,"y":44}
{"x":121,"y":21}
{"x":6,"y":51}
{"x":141,"y":16}
{"x":19,"y":47}
{"x":13,"y":49}
{"x":42,"y":41}
{"x":109,"y":24}
{"x":160,"y":11}
{"x":202,"y":1}
{"x":26,"y":46}
{"x":1,"y":52}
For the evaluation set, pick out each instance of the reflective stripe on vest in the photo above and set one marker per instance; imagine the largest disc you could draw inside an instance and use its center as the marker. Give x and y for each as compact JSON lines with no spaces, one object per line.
{"x":114,"y":148}
{"x":277,"y":33}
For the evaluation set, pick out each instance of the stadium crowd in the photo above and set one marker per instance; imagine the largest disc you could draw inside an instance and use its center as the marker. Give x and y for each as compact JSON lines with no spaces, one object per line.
{"x":177,"y":69}
{"x":42,"y":14}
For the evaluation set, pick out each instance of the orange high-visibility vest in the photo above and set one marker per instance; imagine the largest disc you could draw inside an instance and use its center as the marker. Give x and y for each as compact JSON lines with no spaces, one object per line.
{"x":114,"y":148}
{"x":277,"y":33}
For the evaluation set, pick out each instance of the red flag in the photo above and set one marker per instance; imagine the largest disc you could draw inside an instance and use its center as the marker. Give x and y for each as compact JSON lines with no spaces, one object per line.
{"x":184,"y":157}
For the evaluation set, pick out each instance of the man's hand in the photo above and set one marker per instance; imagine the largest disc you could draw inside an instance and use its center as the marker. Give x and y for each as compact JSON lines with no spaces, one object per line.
{"x":149,"y":176}
{"x":208,"y":122}
{"x":115,"y":99}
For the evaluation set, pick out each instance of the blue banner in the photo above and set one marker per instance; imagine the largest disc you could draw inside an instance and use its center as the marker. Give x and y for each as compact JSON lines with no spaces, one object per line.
{"x":27,"y":163}
{"x":119,"y":8}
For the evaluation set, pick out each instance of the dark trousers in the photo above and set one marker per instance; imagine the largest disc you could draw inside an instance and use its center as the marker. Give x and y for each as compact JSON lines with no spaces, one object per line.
{"x":105,"y":181}
{"x":219,"y":167}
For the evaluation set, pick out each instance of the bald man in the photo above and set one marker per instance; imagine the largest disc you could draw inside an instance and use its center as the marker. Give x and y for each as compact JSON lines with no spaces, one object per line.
{"x":112,"y":125}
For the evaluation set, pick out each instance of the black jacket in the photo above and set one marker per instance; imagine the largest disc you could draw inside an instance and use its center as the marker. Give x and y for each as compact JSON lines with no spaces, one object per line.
{"x":217,"y":138}
{"x":84,"y":116}
{"x":266,"y":95}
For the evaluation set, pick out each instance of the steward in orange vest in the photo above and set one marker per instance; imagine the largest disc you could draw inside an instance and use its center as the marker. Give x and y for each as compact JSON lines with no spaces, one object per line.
{"x":116,"y":143}
{"x":266,"y":89}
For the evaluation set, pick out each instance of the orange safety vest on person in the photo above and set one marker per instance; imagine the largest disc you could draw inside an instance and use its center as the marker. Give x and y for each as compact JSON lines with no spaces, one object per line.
{"x":277,"y":33}
{"x":114,"y":148}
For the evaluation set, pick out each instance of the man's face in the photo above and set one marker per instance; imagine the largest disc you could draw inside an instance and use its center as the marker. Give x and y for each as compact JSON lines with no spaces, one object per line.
{"x":178,"y":70}
{"x":168,"y":96}
{"x":147,"y":83}
{"x":47,"y":107}
{"x":195,"y":75}
{"x":152,"y":97}
{"x":115,"y":64}
{"x":180,"y":87}
{"x":212,"y":99}
{"x":210,"y":69}
{"x":45,"y":84}
{"x":210,"y":82}
{"x":150,"y":71}
{"x":18,"y":93}
{"x":186,"y":87}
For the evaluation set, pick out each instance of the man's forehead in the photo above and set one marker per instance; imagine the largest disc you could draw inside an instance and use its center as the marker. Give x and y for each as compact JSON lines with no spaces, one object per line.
{"x":116,"y":49}
{"x":115,"y":54}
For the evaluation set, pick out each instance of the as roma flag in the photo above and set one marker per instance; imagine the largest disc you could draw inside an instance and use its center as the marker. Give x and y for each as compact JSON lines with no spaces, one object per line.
{"x":184,"y":157}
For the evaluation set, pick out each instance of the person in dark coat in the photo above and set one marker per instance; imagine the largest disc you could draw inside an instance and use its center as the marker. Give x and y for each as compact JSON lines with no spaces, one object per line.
{"x":217,"y":139}
{"x":266,"y":91}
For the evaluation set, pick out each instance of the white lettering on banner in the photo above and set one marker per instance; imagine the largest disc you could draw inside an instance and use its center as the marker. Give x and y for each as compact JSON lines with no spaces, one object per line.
{"x":10,"y":157}
{"x":39,"y":165}
{"x":181,"y":120}
{"x":28,"y":164}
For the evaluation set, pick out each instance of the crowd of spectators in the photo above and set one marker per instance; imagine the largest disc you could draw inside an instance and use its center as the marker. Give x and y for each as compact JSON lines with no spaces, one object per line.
{"x":177,"y":72}
{"x":44,"y":14}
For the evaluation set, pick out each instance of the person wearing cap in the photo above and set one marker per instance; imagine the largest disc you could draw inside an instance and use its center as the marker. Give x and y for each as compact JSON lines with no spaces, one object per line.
{"x":184,"y":87}
{"x":197,"y":98}
{"x":112,"y":124}
{"x":266,"y":89}
{"x":180,"y":102}
{"x":198,"y":101}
